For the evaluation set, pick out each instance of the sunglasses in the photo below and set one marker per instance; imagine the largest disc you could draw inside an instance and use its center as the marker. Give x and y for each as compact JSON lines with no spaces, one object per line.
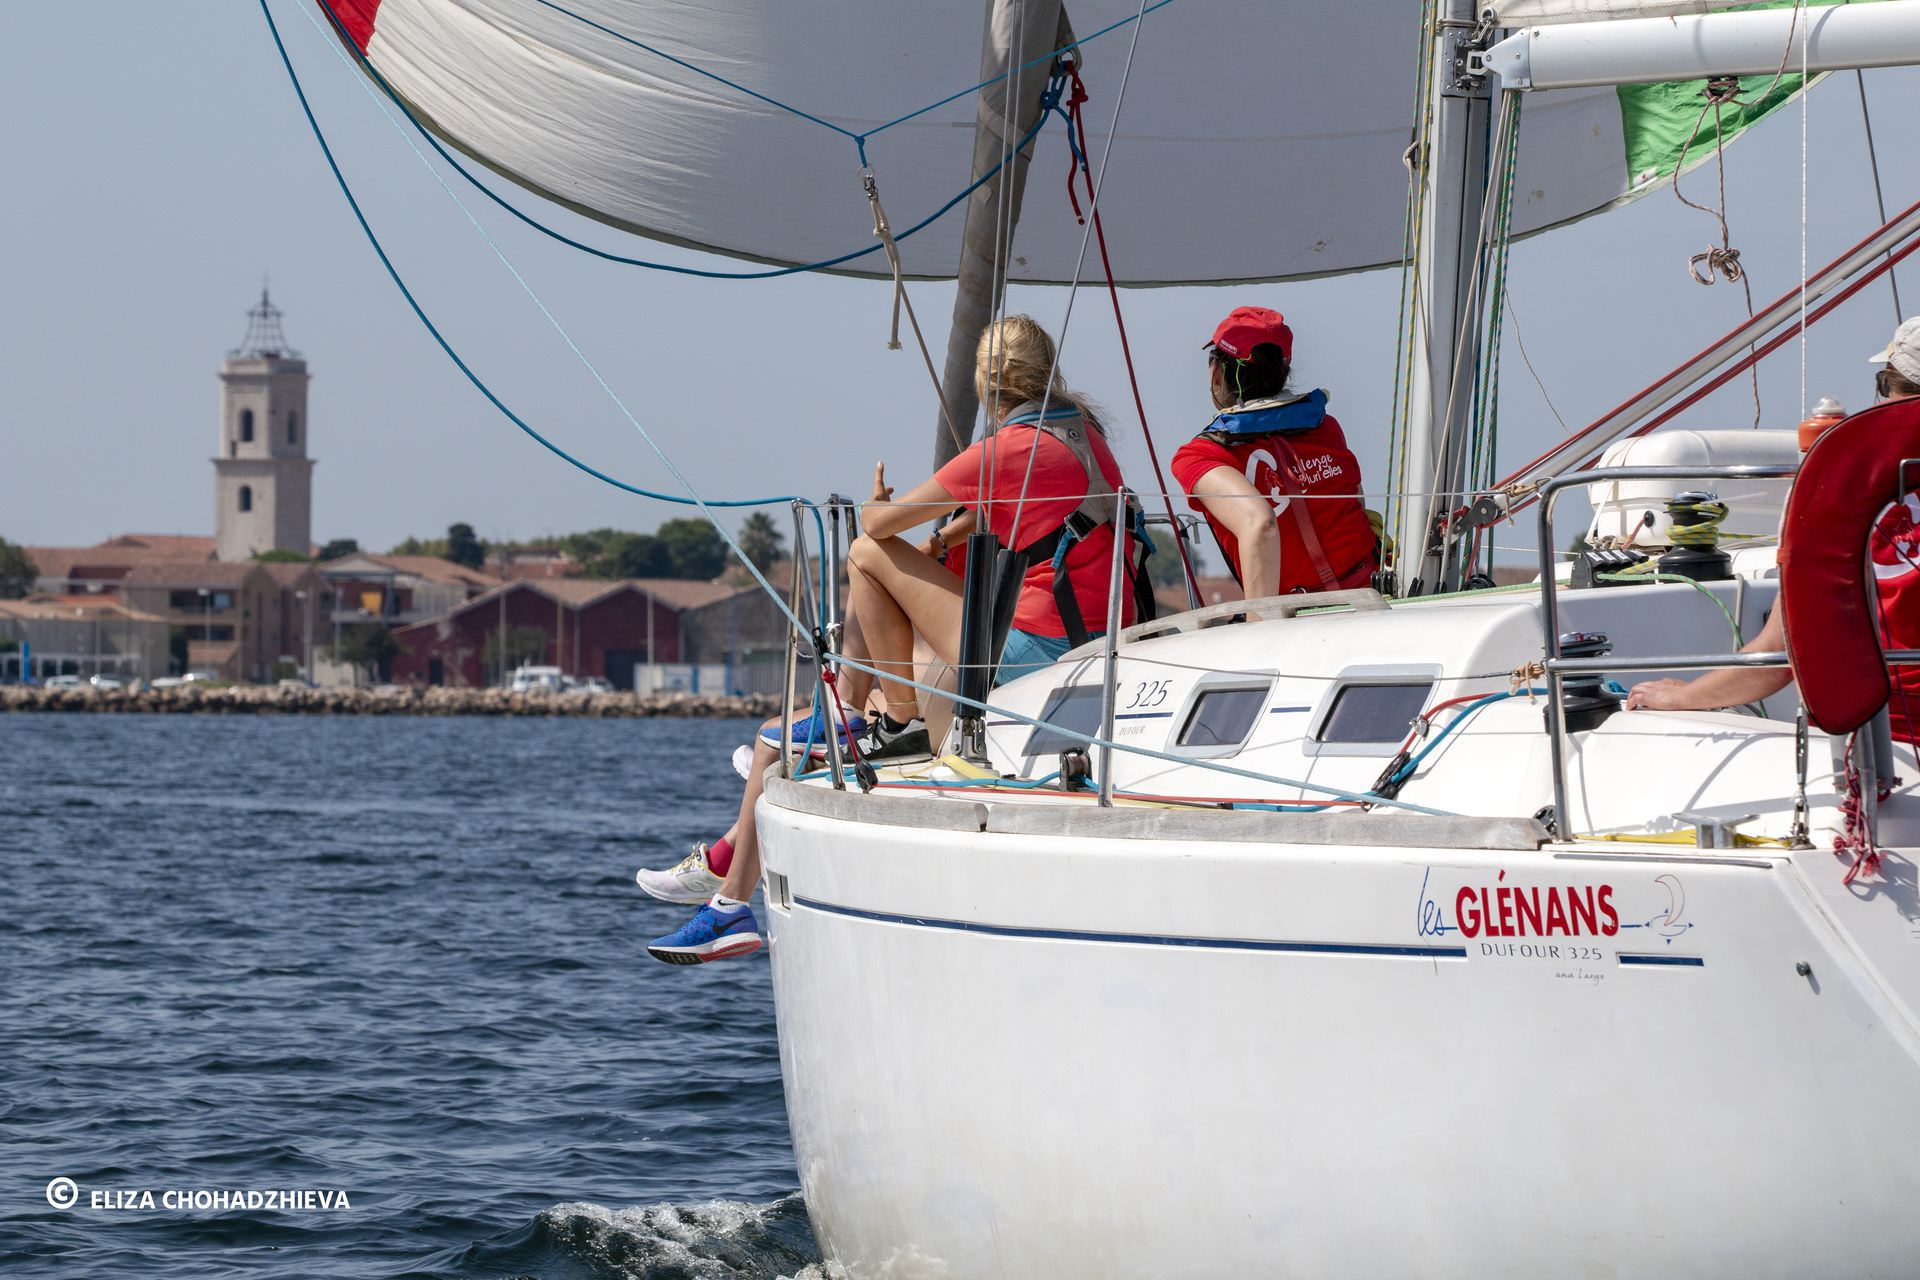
{"x":1883,"y":382}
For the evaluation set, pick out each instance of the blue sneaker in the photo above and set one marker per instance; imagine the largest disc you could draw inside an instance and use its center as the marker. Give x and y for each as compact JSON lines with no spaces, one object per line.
{"x":803,"y":730}
{"x":711,"y":935}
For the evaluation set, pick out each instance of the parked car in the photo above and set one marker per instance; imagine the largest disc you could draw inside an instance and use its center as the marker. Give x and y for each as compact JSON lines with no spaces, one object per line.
{"x":597,"y":684}
{"x":104,"y":681}
{"x":536,"y":680}
{"x":63,"y":682}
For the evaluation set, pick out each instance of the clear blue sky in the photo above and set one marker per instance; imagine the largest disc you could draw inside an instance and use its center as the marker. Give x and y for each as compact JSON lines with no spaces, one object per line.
{"x":158,"y":167}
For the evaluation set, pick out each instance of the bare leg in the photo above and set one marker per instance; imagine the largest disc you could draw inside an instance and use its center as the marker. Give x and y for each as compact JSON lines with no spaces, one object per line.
{"x":896,"y":591}
{"x":745,"y":871}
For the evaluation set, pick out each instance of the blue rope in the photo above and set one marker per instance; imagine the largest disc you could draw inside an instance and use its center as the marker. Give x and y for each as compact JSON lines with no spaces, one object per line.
{"x":1412,"y":765}
{"x":393,"y":273}
{"x":701,"y":272}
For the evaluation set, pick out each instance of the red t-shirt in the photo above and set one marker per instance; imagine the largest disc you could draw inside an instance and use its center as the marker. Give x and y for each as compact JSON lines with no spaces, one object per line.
{"x":1894,"y":549}
{"x":1058,"y":484}
{"x":1323,"y":465}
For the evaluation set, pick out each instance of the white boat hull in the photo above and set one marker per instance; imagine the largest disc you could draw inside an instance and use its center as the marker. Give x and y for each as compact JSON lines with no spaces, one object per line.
{"x":1018,"y":1054}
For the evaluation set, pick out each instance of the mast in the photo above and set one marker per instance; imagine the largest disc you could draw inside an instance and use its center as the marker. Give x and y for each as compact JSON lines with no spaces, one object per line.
{"x":1446,"y":345}
{"x":1017,"y":31}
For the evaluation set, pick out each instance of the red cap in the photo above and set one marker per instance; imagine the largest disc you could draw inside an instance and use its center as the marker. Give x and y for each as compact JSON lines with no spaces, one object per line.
{"x":1247,"y":327}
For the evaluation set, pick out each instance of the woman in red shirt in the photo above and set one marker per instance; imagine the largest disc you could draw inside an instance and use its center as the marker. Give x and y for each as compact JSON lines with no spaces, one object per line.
{"x":1023,"y":481}
{"x":1272,"y":472}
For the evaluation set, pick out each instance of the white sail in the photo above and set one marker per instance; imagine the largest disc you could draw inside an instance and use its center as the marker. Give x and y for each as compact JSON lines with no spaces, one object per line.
{"x":1308,"y":105}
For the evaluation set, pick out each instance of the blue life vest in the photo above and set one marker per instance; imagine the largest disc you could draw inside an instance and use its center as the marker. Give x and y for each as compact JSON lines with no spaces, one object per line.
{"x":1264,"y":417}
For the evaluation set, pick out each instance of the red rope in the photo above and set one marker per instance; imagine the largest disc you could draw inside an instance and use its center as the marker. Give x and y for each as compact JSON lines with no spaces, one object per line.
{"x":1077,"y":163}
{"x":1733,"y":371}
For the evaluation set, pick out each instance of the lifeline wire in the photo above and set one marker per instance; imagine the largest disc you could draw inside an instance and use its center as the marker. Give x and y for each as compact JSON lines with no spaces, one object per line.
{"x":693,"y":498}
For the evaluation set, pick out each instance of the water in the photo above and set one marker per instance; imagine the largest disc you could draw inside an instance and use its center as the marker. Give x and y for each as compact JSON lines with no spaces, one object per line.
{"x":399,"y":959}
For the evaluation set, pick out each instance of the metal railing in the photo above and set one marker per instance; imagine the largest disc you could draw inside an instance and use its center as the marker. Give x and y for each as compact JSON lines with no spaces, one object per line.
{"x":1558,"y":667}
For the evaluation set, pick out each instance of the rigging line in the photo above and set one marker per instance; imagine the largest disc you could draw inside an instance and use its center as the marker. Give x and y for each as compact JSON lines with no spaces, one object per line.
{"x":1520,"y":342}
{"x":1806,"y":115}
{"x":884,"y":231}
{"x":1120,"y":323}
{"x":1049,"y":56}
{"x":1879,"y":194}
{"x":698,"y":70}
{"x":1483,"y":237}
{"x":693,"y":498}
{"x":1079,"y":263}
{"x":859,"y":137}
{"x":705,"y":273}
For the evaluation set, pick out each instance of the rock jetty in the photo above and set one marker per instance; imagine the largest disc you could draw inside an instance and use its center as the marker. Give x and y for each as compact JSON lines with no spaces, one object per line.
{"x":298,"y":700}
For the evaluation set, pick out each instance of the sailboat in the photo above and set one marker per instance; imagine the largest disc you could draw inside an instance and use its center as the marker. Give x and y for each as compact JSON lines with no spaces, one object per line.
{"x":1357,"y":933}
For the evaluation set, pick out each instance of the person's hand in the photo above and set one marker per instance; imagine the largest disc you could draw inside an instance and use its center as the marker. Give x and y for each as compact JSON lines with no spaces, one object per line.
{"x":882,"y":491}
{"x":1659,"y":695}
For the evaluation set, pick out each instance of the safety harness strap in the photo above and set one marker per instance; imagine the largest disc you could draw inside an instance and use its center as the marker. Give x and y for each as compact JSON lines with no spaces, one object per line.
{"x":1066,"y":425}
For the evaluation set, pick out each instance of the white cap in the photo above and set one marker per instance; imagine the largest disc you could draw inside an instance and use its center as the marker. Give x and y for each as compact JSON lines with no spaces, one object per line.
{"x":1903,"y":353}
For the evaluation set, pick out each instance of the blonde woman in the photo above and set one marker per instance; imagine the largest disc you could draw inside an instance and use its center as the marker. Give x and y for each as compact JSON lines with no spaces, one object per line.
{"x":1047,"y":445}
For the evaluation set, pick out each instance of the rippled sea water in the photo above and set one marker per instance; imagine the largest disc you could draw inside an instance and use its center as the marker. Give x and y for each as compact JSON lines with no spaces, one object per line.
{"x":396,"y":958}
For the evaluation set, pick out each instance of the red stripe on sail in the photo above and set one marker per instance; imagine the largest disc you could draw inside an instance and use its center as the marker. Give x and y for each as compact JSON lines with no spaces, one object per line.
{"x":356,"y":16}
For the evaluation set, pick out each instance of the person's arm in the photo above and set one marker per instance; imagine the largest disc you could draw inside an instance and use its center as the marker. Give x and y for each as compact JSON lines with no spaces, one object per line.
{"x":1728,"y":687}
{"x":950,"y":535}
{"x":1230,"y":498}
{"x":884,"y":517}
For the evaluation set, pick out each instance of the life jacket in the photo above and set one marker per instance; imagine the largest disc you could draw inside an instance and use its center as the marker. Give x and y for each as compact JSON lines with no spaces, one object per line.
{"x":1270,"y":420}
{"x":1065,"y":424}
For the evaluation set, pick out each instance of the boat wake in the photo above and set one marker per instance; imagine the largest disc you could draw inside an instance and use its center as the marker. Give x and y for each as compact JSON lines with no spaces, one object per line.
{"x":709,"y":1240}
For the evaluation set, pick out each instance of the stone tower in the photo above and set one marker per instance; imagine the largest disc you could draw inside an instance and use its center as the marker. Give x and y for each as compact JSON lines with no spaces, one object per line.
{"x":263,"y":479}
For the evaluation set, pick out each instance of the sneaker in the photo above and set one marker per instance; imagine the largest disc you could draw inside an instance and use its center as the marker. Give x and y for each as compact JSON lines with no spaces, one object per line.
{"x":804,"y":732}
{"x":710,"y":935}
{"x":689,"y":881}
{"x":881,"y":743}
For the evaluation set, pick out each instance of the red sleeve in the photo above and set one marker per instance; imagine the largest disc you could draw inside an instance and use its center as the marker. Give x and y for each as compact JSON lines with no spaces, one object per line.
{"x":961,"y":476}
{"x":1194,"y":459}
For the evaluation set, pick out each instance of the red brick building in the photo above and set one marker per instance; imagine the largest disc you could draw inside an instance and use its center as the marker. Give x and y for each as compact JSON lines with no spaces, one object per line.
{"x":586,"y":627}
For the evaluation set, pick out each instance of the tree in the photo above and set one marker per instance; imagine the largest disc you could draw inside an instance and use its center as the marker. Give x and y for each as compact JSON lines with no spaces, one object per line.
{"x":641,"y":555}
{"x":17,"y":571}
{"x":279,"y":556}
{"x":694,"y":549}
{"x":338,"y":549}
{"x":368,"y":644}
{"x":760,"y":540}
{"x":464,"y":547}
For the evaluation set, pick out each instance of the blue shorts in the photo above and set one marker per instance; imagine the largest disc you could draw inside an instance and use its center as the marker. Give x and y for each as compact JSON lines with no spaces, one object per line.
{"x":1026,"y":653}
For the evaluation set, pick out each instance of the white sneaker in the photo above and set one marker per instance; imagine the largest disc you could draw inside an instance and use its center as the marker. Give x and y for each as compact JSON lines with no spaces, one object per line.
{"x":689,"y":881}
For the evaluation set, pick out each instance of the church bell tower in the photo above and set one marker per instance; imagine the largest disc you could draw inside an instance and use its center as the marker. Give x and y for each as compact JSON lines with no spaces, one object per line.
{"x":263,"y":479}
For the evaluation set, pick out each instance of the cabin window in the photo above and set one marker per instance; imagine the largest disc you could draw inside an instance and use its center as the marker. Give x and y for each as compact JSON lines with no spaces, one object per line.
{"x":1222,"y":718}
{"x":1069,"y":711}
{"x":293,"y":427}
{"x":1372,"y":715}
{"x":246,"y":497}
{"x":246,"y":426}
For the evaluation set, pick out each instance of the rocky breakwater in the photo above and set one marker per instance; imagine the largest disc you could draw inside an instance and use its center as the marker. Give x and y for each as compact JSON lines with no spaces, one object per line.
{"x":300,"y":700}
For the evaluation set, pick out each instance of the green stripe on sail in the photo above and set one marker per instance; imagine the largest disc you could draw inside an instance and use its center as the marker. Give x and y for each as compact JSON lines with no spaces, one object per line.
{"x":1656,"y":119}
